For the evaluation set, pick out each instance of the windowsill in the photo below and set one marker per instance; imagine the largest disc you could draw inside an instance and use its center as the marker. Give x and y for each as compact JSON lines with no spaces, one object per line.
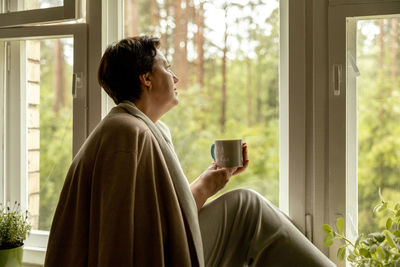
{"x":33,"y":256}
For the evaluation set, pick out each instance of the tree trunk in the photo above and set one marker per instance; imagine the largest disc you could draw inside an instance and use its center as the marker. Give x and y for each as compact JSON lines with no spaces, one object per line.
{"x":258,"y":95}
{"x":200,"y":44}
{"x":58,"y":82}
{"x":223,"y":89}
{"x":381,"y":47}
{"x":131,"y":18}
{"x":185,"y":37}
{"x":394,"y":49}
{"x":249,"y":93}
{"x":179,"y":44}
{"x":154,"y":15}
{"x":165,"y":37}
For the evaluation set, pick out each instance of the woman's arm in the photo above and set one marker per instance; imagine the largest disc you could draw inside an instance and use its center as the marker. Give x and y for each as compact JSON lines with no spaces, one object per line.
{"x":213,"y":179}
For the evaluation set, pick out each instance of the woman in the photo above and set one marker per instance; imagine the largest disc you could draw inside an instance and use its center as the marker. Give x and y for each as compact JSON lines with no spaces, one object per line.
{"x":126,"y":201}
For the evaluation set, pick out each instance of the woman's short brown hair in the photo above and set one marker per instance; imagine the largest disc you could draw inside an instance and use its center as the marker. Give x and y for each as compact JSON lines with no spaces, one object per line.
{"x":123,"y":62}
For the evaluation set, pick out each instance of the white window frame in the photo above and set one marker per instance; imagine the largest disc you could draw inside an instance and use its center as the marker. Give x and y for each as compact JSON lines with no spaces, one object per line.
{"x":112,"y":31}
{"x":14,"y":155}
{"x":292,"y":114}
{"x":343,"y":196}
{"x":66,"y":12}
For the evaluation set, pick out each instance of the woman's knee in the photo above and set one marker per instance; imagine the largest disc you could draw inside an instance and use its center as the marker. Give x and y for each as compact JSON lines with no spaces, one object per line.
{"x":245,"y":198}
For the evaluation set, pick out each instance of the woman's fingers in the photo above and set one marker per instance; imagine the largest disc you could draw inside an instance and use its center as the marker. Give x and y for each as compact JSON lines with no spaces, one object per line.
{"x":234,"y":171}
{"x":213,"y":166}
{"x":245,"y":161}
{"x":245,"y":158}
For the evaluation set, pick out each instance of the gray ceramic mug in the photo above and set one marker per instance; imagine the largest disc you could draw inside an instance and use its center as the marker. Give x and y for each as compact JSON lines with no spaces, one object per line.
{"x":227,"y":152}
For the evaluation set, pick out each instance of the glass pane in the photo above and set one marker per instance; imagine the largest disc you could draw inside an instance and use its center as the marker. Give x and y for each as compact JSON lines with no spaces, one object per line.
{"x":228,"y":87}
{"x":21,"y":5}
{"x":378,"y":115}
{"x":49,"y":122}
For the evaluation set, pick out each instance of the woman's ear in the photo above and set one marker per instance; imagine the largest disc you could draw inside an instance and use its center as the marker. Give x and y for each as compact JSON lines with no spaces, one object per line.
{"x":145,"y":79}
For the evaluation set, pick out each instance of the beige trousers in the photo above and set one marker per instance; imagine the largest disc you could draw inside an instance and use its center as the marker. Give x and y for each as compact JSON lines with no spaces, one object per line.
{"x":242,"y":228}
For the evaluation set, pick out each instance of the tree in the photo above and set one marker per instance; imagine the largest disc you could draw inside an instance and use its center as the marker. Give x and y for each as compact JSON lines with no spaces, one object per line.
{"x":55,"y":129}
{"x":199,"y":21}
{"x":131,"y":17}
{"x":223,"y":86}
{"x":59,"y":84}
{"x":378,"y":128}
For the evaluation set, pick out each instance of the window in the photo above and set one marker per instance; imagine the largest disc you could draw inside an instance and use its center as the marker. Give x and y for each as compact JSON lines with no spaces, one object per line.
{"x":30,"y":5}
{"x":226,"y":55}
{"x":378,"y":113}
{"x":44,"y":91}
{"x":16,"y":12}
{"x":363,"y":108}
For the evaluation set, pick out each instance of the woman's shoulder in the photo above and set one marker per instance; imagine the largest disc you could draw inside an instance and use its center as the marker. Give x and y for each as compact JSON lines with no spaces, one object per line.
{"x":119,"y":120}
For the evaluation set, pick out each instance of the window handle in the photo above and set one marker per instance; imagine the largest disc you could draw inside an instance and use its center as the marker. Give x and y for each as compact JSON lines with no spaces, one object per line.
{"x":337,"y":79}
{"x":353,"y":63}
{"x":77,"y":83}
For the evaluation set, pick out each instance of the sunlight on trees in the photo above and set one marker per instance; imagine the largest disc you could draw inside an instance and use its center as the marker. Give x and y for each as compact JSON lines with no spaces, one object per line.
{"x":239,"y":58}
{"x":226,"y":55}
{"x":378,"y":114}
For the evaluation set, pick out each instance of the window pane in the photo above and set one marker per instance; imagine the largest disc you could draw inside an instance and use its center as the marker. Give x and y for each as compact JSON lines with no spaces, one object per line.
{"x":226,"y":56}
{"x":378,"y":115}
{"x":21,"y":5}
{"x":49,"y":123}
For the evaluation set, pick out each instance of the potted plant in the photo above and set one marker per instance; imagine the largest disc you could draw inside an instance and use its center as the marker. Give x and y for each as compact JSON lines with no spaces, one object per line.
{"x":370,"y":249}
{"x":14,"y":227}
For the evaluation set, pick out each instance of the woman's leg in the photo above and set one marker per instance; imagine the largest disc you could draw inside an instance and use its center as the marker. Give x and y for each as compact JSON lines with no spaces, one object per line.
{"x":242,"y":228}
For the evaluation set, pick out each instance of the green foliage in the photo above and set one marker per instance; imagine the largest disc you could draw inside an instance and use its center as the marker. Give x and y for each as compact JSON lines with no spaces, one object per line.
{"x":194,"y":128}
{"x":14,"y":226}
{"x":55,"y":136}
{"x":252,"y":110}
{"x":373,"y":249}
{"x":378,"y":113}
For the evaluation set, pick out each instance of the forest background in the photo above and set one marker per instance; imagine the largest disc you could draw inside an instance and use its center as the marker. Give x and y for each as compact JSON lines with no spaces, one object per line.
{"x":226,"y":55}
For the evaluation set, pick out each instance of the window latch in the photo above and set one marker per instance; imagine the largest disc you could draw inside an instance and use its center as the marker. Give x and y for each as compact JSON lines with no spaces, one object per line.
{"x":8,"y":53}
{"x":337,"y":79}
{"x":77,"y":83}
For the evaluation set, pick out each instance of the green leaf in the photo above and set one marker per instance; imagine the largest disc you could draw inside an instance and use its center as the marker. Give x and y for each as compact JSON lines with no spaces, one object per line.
{"x":389,"y":238}
{"x":327,"y":228}
{"x":396,"y":233}
{"x":373,"y":248}
{"x":341,"y":253}
{"x":380,"y":207}
{"x":340,"y":225}
{"x":359,"y":238}
{"x":377,"y":236}
{"x":380,"y":194}
{"x":365,"y":253}
{"x":377,"y":208}
{"x":351,"y":257}
{"x":381,"y":253}
{"x":328,"y":240}
{"x":397,"y":206}
{"x":389,"y":223}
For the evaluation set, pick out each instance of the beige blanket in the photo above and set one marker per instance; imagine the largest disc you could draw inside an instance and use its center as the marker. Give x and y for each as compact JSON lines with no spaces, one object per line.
{"x":125,"y":201}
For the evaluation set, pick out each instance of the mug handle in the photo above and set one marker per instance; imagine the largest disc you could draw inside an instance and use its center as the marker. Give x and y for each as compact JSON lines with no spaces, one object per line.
{"x":213,"y":151}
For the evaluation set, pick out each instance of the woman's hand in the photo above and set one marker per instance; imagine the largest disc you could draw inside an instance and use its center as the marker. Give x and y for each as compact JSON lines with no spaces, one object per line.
{"x":213,"y":179}
{"x":245,"y":161}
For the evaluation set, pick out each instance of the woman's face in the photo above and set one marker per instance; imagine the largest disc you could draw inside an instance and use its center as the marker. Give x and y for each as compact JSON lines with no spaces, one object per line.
{"x":163,"y":91}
